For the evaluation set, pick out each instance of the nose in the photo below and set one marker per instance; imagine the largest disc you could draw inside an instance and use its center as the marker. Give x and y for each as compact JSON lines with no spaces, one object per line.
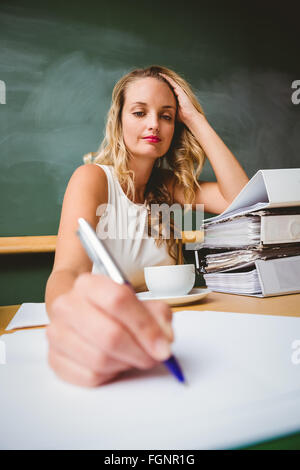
{"x":153,"y":123}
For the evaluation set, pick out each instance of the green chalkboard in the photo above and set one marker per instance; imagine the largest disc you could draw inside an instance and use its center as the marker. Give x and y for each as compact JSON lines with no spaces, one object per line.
{"x":60,"y":61}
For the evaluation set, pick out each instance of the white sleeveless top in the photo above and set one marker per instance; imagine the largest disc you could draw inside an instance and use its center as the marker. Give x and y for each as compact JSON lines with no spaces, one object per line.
{"x":122,"y":228}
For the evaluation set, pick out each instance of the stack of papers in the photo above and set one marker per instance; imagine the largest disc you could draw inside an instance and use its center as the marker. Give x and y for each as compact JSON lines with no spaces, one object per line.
{"x":238,"y":232}
{"x":219,"y":261}
{"x":253,"y":247}
{"x":256,"y":229}
{"x":234,"y":282}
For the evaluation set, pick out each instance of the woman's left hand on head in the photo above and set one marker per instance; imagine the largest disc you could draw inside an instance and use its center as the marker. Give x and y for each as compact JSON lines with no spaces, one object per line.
{"x":186,"y":109}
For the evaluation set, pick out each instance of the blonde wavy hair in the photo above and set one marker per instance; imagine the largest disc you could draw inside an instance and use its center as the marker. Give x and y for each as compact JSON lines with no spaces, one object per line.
{"x":185,"y":156}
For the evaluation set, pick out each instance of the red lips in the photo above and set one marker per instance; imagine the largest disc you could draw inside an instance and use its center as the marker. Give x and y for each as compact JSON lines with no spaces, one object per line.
{"x":152,"y":138}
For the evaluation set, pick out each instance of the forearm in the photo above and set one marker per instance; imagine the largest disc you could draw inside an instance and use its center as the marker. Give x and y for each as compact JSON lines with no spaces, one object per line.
{"x":231,"y":177}
{"x":59,"y":283}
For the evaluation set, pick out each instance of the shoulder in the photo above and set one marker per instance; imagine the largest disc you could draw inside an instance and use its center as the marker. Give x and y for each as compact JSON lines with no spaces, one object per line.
{"x":86,"y":191}
{"x":89,"y":179}
{"x":89,"y":173}
{"x":89,"y":170}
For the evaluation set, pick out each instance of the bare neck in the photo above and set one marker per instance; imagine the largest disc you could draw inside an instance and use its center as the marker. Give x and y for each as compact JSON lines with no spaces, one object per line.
{"x":142,"y":172}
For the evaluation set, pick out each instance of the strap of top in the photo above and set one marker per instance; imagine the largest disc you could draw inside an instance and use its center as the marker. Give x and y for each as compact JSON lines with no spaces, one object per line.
{"x":110,"y":182}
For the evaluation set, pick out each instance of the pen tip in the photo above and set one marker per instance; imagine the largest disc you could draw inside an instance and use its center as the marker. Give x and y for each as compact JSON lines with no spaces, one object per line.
{"x":175,"y":368}
{"x":182,"y":380}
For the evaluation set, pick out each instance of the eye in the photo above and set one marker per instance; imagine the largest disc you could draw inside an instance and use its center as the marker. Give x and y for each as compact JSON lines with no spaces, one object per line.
{"x":165,"y":116}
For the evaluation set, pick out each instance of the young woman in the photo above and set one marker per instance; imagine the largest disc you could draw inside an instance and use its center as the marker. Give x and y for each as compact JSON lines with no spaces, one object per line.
{"x":156,"y":141}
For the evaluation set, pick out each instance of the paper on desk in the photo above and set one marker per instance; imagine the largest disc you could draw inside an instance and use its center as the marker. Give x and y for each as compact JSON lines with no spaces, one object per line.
{"x":243,"y":386}
{"x":29,"y":314}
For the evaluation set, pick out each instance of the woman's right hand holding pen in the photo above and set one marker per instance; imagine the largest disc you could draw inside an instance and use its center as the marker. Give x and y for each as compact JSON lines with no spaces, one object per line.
{"x":99,"y":328}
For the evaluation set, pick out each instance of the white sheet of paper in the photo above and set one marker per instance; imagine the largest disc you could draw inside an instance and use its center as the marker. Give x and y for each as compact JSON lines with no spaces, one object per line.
{"x":29,"y":314}
{"x":242,"y":387}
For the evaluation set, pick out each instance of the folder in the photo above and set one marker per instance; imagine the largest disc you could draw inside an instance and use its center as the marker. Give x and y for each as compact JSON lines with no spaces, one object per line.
{"x":219,"y":260}
{"x":266,"y":189}
{"x":272,"y":277}
{"x":255,"y":229}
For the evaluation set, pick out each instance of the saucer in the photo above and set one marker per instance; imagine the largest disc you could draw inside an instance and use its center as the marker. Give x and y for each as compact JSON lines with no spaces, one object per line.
{"x":195,"y":294}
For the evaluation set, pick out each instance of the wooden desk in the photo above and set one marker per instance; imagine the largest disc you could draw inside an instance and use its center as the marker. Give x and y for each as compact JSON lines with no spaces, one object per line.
{"x":6,"y":314}
{"x":285,"y":305}
{"x":35,"y":244}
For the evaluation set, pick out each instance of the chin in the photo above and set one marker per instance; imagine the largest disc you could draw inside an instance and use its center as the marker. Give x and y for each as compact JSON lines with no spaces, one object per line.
{"x":150,"y":154}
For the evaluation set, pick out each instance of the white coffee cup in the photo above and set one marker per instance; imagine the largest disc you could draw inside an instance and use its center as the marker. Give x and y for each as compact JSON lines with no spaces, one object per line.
{"x":173,"y":280}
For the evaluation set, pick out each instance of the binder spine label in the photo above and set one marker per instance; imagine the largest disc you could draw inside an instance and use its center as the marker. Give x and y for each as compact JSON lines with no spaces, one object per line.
{"x":280,"y":229}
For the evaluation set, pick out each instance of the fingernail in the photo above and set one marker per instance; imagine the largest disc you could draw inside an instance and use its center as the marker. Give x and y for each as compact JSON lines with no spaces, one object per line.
{"x":162,"y":349}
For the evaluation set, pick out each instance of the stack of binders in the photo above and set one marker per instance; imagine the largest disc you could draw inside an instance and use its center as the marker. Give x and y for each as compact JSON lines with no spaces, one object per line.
{"x":253,"y":248}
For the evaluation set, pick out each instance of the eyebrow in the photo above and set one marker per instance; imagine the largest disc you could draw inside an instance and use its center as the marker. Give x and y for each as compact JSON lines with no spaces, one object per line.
{"x":145,"y":104}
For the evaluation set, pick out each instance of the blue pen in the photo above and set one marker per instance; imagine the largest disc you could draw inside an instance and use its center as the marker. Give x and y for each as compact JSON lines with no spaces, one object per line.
{"x":100,"y":255}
